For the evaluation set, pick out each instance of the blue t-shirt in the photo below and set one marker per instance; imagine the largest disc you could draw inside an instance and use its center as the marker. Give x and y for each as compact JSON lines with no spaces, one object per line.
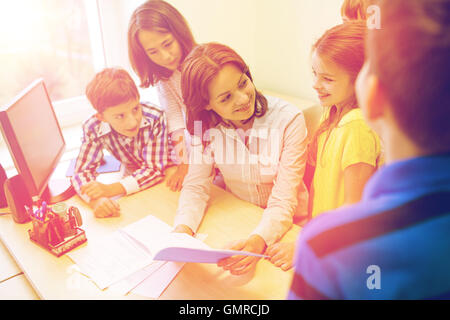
{"x":393,"y":244}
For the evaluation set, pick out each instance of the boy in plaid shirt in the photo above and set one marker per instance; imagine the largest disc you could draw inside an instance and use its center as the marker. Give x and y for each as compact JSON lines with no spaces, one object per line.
{"x":133,"y":132}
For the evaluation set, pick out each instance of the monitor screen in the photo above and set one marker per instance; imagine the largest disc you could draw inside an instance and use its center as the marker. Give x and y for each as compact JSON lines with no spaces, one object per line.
{"x":33,"y":135}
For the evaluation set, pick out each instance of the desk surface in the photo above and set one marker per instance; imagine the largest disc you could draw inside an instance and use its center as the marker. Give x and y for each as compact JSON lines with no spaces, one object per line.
{"x":227,"y":218}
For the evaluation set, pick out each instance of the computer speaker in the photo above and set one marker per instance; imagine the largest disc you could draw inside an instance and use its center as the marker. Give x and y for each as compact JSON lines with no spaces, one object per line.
{"x":3,"y":178}
{"x":17,"y":197}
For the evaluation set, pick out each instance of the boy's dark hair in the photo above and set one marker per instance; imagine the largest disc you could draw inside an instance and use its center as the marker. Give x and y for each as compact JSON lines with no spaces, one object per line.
{"x":111,"y":87}
{"x":410,"y":56}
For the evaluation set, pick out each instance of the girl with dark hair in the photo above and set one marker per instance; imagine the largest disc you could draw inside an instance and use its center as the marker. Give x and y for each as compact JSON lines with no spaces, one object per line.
{"x":159,"y":39}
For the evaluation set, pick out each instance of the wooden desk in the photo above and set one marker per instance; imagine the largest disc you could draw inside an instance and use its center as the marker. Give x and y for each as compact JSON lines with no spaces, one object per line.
{"x":226,"y":219}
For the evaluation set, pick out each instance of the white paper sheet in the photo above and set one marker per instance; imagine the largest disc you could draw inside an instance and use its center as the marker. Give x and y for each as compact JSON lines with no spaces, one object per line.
{"x":128,"y":257}
{"x":155,"y":284}
{"x":129,"y":283}
{"x":110,"y":259}
{"x":152,"y":280}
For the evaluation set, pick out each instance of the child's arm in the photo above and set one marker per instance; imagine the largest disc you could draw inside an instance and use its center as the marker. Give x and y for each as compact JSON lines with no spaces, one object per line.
{"x":355,"y":178}
{"x":155,"y":154}
{"x":171,"y":102}
{"x":175,"y":181}
{"x":95,"y":190}
{"x":88,"y":160}
{"x":83,"y":180}
{"x":359,"y":160}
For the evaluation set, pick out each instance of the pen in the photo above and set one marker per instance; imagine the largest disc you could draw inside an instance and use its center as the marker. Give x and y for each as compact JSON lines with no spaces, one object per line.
{"x":36,"y":214}
{"x":43,"y":210}
{"x":27,"y":208}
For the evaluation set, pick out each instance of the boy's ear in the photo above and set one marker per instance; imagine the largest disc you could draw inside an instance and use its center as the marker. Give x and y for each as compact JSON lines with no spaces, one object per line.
{"x":375,"y":98}
{"x":99,"y":116}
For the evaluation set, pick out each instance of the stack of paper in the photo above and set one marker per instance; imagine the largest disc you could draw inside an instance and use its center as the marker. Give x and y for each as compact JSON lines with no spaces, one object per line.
{"x":143,"y":257}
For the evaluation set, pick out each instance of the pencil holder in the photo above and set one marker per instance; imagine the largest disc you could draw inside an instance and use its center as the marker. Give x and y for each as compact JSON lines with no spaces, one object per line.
{"x":57,"y":230}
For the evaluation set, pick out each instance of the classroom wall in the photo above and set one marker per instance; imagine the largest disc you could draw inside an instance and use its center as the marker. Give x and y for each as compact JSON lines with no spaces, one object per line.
{"x":286,"y":30}
{"x":273,"y":36}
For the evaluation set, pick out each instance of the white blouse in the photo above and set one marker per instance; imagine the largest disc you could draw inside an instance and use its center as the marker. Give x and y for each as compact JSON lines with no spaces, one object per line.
{"x":268,"y":172}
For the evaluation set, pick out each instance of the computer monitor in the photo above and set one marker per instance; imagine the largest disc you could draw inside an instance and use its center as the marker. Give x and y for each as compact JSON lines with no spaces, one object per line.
{"x":35,"y":142}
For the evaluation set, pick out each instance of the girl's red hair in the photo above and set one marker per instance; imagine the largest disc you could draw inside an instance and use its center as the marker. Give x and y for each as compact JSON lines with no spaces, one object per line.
{"x":342,"y":45}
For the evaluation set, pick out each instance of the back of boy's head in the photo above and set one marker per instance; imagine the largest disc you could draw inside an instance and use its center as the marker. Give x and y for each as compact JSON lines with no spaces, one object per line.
{"x":409,"y":54}
{"x":355,"y":9}
{"x":111,"y":87}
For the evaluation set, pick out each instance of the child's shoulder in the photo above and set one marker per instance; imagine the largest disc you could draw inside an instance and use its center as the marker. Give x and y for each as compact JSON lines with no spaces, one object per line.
{"x":150,"y":110}
{"x":92,"y":126}
{"x":353,"y":118}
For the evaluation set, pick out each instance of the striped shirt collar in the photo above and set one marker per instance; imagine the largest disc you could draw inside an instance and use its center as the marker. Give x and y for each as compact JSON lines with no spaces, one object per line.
{"x":105,"y":128}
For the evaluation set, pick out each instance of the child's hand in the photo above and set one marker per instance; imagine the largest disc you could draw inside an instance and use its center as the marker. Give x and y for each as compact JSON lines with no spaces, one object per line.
{"x":105,"y":207}
{"x":281,"y":254}
{"x":95,"y":190}
{"x":175,"y":181}
{"x":238,"y":265}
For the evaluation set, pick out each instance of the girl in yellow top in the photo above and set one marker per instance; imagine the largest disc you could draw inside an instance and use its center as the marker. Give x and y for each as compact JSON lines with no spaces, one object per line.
{"x":344,"y":150}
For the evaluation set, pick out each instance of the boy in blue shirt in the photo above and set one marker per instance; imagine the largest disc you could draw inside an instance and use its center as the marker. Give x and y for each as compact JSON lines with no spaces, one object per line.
{"x":394,"y":243}
{"x":133,"y":132}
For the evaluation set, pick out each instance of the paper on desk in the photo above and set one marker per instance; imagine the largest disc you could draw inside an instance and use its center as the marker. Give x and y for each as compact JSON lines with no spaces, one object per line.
{"x":138,"y":245}
{"x":119,"y":255}
{"x":111,"y":259}
{"x":154,"y":285}
{"x":153,"y":279}
{"x":124,"y":286}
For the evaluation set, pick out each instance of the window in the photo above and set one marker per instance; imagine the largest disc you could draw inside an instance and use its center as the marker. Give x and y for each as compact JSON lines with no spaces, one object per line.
{"x":65,"y":43}
{"x":48,"y":39}
{"x":59,"y":41}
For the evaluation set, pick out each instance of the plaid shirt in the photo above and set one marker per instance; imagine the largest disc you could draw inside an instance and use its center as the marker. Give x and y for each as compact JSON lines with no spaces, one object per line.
{"x":144,"y":157}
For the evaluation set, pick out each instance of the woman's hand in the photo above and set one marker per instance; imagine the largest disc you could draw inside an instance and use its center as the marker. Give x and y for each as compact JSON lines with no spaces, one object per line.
{"x":281,"y":254}
{"x":238,"y":265}
{"x":182,"y":228}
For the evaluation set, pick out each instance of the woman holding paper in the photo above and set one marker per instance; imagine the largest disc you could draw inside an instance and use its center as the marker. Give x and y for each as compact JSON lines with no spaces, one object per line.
{"x":258,"y":143}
